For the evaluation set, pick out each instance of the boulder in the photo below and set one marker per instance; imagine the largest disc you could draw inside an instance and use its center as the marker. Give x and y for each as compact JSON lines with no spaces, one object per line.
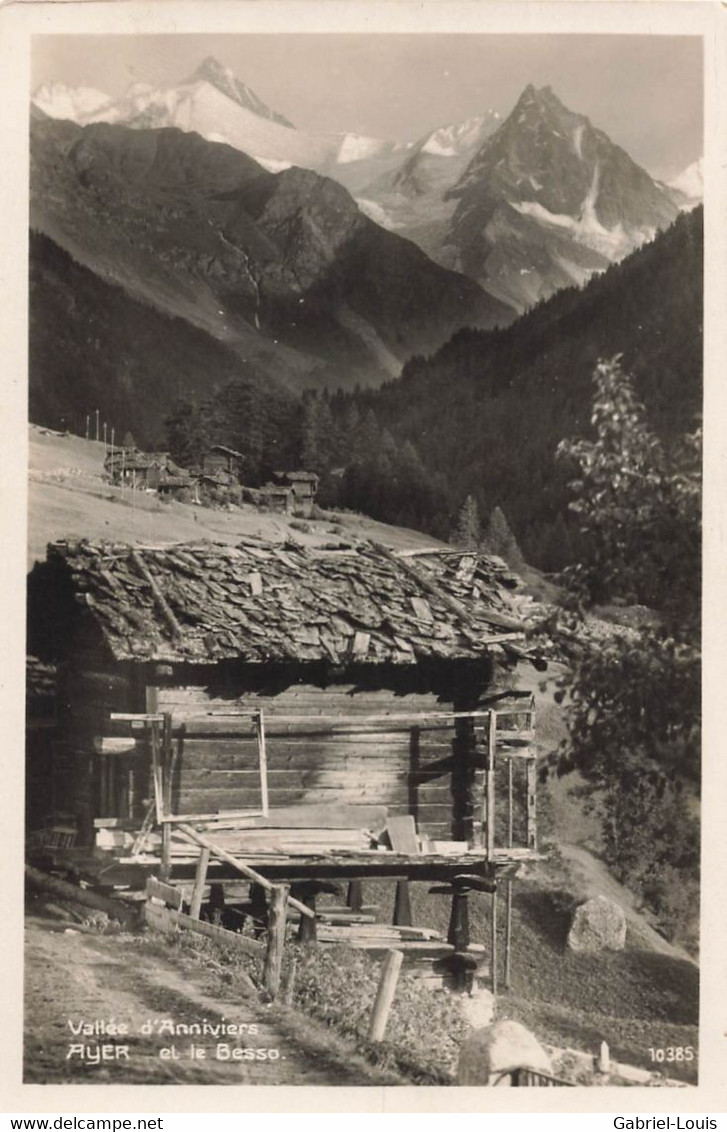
{"x":598,"y":925}
{"x":486,"y":1055}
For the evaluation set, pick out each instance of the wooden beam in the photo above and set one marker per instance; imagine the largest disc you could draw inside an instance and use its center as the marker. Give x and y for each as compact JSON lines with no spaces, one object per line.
{"x":161,"y":601}
{"x":114,"y":909}
{"x":246,"y":871}
{"x":199,"y":883}
{"x":446,"y":599}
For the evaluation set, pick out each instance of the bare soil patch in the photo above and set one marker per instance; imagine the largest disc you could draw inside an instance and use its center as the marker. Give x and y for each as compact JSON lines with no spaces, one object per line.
{"x":73,"y":976}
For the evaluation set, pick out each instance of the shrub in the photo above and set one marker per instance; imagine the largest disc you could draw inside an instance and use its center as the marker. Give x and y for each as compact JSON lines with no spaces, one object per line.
{"x":339,"y":984}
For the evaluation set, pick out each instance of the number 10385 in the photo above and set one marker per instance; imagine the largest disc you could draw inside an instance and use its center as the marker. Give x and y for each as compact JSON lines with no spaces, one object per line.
{"x":672,"y":1053}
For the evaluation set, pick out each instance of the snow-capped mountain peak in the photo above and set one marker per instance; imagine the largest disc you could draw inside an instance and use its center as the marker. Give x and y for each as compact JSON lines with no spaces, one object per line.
{"x":547,"y":199}
{"x":225,"y":80}
{"x":79,"y":104}
{"x":453,"y":140}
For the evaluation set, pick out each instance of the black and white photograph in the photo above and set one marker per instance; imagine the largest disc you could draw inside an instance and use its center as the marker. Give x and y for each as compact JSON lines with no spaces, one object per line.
{"x":363,"y":612}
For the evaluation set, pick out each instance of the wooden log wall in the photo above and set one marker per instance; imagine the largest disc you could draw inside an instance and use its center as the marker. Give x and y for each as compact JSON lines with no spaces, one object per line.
{"x":402,"y":765}
{"x":87,"y":782}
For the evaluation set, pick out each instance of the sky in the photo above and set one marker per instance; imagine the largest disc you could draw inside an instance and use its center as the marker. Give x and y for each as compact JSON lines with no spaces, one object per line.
{"x":644,"y":91}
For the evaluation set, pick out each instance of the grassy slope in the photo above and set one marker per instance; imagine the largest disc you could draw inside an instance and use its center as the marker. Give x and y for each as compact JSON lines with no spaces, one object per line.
{"x":69,"y":498}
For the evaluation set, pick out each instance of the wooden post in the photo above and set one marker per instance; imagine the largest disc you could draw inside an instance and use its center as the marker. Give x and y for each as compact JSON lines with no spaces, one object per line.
{"x":508,"y":888}
{"x":289,"y":981}
{"x":508,"y":931}
{"x":276,"y":939}
{"x":199,"y":883}
{"x":402,"y":905}
{"x":263,"y":760}
{"x":489,"y":799}
{"x":130,"y":793}
{"x":307,"y":931}
{"x":166,"y":773}
{"x":459,"y":921}
{"x":494,"y":943}
{"x":354,"y":896}
{"x":532,"y":786}
{"x":385,"y":994}
{"x":217,"y":902}
{"x":603,"y":1060}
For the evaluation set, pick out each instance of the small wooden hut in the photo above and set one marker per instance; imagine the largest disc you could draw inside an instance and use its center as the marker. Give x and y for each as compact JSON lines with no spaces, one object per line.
{"x":325,"y":693}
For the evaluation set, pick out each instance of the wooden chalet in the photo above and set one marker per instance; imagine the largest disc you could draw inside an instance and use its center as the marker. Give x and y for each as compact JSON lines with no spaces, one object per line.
{"x":219,"y":458}
{"x":303,"y":487}
{"x":146,"y":471}
{"x":340,"y":712}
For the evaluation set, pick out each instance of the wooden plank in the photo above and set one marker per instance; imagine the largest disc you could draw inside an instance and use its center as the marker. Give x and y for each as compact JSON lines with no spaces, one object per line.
{"x":351,"y":776}
{"x":311,"y":751}
{"x":211,"y":816}
{"x":376,"y":762}
{"x":166,"y":892}
{"x":113,"y":745}
{"x":136,"y":717}
{"x":360,"y":645}
{"x":420,"y":948}
{"x":381,"y":931}
{"x":333,"y":815}
{"x":402,"y":832}
{"x":169,"y":920}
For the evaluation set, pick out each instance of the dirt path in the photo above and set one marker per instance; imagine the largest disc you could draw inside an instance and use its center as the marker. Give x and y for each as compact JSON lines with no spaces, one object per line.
{"x":73,"y":977}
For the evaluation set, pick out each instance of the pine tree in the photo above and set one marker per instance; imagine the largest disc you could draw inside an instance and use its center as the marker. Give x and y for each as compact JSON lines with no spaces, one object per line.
{"x":500,"y":540}
{"x":467,"y":529}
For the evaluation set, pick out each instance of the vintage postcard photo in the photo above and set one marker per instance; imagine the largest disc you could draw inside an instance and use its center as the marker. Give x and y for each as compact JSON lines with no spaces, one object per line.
{"x":363,"y":626}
